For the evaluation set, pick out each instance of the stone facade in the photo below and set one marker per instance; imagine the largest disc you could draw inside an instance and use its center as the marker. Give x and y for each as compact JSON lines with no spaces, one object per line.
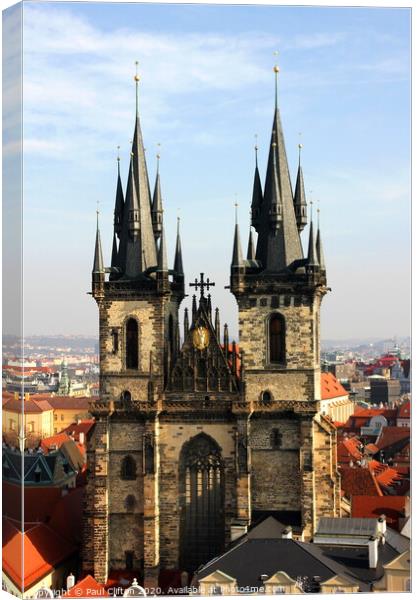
{"x":194,"y":442}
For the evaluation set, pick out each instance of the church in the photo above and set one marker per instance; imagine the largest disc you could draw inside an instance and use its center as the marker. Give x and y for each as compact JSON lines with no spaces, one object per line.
{"x":197,"y":437}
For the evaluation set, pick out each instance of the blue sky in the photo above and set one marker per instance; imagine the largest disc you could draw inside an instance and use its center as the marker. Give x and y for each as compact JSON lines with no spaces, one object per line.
{"x":206,"y":90}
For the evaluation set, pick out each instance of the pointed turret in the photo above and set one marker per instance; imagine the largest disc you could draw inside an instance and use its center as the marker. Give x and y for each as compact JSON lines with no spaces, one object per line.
{"x":251,"y":247}
{"x":279,"y":243}
{"x":319,"y":246}
{"x":226,"y":340}
{"x":256,"y":195}
{"x":186,"y":322}
{"x":119,"y":203}
{"x":217,"y":324}
{"x":157,"y":204}
{"x":114,"y":254}
{"x":178,"y":267}
{"x":98,"y":273}
{"x":194,"y":309}
{"x":162,"y":254}
{"x":300,"y":204}
{"x":237,"y":259}
{"x":312,"y":254}
{"x":98,"y":264}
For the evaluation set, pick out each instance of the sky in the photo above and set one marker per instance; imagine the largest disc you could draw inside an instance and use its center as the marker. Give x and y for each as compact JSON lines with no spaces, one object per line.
{"x":206,"y":90}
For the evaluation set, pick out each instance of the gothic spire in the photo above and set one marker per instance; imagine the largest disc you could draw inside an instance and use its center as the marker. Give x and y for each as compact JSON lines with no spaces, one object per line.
{"x":237,"y":259}
{"x":178,"y":268}
{"x":162,"y":253}
{"x":157,"y":204}
{"x":256,"y":194}
{"x":114,"y":253}
{"x":279,"y":243}
{"x":119,"y":203}
{"x":137,"y":244}
{"x":319,"y":245}
{"x":186,"y":322}
{"x":98,"y":264}
{"x":251,"y":248}
{"x":300,"y":204}
{"x":217,"y":324}
{"x":312,"y":254}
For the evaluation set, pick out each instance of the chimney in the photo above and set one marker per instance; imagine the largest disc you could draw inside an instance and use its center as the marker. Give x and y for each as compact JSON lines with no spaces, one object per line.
{"x":236,"y":531}
{"x":81,"y":437}
{"x":70,"y":581}
{"x":373,"y":552}
{"x":287,"y":533}
{"x":382,"y":524}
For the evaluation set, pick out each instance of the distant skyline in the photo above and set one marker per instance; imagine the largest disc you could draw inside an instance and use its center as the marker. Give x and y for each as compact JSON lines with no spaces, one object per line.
{"x":206,"y":89}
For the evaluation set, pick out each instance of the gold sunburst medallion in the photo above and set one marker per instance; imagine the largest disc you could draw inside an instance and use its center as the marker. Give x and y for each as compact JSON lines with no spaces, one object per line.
{"x":201,"y":337}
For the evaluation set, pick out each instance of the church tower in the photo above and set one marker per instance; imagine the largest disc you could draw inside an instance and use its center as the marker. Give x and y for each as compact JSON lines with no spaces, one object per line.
{"x":197,"y":437}
{"x":279,"y":294}
{"x":138,"y":316}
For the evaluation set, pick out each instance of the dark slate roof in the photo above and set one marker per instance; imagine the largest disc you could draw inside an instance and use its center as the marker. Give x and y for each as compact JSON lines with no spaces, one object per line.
{"x":353,"y":561}
{"x":286,"y":517}
{"x":40,"y":469}
{"x":252,"y":558}
{"x":269,"y":528}
{"x":353,"y":526}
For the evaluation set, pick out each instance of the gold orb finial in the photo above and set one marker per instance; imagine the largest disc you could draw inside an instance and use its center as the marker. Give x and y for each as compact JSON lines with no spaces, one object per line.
{"x":276,"y":69}
{"x":136,"y":77}
{"x":300,"y":146}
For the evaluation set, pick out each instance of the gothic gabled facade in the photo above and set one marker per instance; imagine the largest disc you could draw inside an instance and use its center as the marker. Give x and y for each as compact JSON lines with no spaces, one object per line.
{"x":196,"y":439}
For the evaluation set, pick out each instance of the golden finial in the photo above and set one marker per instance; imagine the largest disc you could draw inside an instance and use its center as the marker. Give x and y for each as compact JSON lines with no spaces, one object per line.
{"x":276,"y":71}
{"x":118,"y":153}
{"x":300,"y":145}
{"x":236,"y":207}
{"x":97,"y":211}
{"x":136,"y":77}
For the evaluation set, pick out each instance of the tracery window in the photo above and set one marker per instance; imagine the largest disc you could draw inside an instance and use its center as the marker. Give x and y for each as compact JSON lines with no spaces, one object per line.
{"x":128,"y":469}
{"x":202,"y":502}
{"x":132,"y":344}
{"x":277,"y":339}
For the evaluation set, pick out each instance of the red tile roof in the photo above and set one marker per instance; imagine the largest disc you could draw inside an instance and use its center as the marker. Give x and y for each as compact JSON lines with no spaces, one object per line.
{"x":371,"y":507}
{"x":30,"y":406}
{"x":391,"y":435}
{"x":43,"y":549}
{"x":70,"y":402}
{"x":39,"y":501}
{"x":359,"y":481}
{"x":330,"y":387}
{"x":75,"y":429}
{"x":86,"y":588}
{"x":66,"y":517}
{"x":404,"y":410}
{"x":54,"y":442}
{"x":349,"y":449}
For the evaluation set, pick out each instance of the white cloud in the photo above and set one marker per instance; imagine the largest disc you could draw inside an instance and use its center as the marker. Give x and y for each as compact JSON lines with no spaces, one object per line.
{"x":316,"y":40}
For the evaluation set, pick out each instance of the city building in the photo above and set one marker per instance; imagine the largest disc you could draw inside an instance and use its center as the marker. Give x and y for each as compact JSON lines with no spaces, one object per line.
{"x":347,"y":555}
{"x":241,"y":428}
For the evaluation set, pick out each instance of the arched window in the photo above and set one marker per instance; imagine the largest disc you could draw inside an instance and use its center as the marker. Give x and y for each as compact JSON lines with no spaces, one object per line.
{"x":276,"y":438}
{"x":277,"y":339}
{"x":171,"y":334}
{"x":128,"y":470}
{"x":126,"y":397}
{"x":132,"y":345}
{"x":201,"y":491}
{"x":130,"y":502}
{"x":266,"y":397}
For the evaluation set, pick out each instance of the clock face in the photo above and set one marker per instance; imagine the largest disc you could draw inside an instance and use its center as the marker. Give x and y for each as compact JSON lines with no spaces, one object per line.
{"x":201,"y":337}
